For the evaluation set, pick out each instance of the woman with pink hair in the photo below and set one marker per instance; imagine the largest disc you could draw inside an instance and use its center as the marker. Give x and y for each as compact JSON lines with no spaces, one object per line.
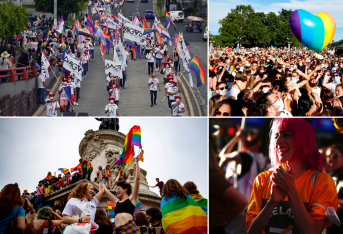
{"x":294,"y":197}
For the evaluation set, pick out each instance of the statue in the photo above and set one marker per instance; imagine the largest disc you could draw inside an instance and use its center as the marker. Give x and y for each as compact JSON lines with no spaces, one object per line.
{"x":109,"y":123}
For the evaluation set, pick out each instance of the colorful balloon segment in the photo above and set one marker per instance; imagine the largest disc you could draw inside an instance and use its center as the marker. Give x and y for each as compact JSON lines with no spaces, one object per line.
{"x":313,"y":31}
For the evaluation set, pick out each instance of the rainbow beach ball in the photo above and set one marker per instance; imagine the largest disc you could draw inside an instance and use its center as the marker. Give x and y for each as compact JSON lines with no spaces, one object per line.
{"x":313,"y":31}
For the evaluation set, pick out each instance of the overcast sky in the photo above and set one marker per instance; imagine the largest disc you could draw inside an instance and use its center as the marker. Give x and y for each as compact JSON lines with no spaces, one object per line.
{"x":174,"y":148}
{"x":218,"y":9}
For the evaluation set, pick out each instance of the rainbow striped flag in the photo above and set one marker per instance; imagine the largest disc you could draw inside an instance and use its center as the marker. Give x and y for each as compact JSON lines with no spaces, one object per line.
{"x":75,"y":168}
{"x":169,"y":20}
{"x":75,"y":29}
{"x":132,"y":138}
{"x":115,"y":18}
{"x":142,"y":155}
{"x":64,"y":170}
{"x":144,"y":23}
{"x":202,"y":202}
{"x":230,"y":69}
{"x":135,"y":50}
{"x":272,"y":47}
{"x":48,"y":34}
{"x":111,"y":208}
{"x":102,"y":55}
{"x":199,"y":70}
{"x":64,"y":47}
{"x":158,"y":37}
{"x":180,"y":215}
{"x":90,"y":25}
{"x":43,"y":45}
{"x":138,"y":207}
{"x":149,"y":30}
{"x":98,"y":31}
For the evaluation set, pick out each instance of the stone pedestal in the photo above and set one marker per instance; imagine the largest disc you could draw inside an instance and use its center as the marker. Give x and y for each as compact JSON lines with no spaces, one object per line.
{"x":102,"y":148}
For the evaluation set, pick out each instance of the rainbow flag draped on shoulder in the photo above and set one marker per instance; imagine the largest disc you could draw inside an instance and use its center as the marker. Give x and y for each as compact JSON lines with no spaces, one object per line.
{"x":202,"y":202}
{"x":132,"y":138}
{"x":199,"y":70}
{"x":180,"y":215}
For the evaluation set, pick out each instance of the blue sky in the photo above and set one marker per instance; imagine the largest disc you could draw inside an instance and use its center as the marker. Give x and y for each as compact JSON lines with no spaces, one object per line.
{"x":334,"y":7}
{"x":174,"y":148}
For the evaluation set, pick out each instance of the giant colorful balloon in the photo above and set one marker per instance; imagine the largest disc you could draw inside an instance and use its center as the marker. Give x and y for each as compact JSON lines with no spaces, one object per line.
{"x":313,"y":31}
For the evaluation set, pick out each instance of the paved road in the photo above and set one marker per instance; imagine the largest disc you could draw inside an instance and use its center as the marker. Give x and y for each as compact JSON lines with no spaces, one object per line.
{"x":199,"y":46}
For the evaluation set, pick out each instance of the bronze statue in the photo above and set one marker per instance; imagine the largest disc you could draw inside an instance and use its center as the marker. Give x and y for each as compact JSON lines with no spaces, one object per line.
{"x":109,"y":123}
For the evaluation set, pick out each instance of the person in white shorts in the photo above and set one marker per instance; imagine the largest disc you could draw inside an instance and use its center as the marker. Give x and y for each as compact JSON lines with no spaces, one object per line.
{"x":112,"y":109}
{"x":51,"y":106}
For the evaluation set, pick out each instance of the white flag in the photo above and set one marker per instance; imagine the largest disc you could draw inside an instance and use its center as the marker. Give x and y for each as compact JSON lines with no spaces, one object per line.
{"x":45,"y":67}
{"x":113,"y":67}
{"x":184,"y":54}
{"x":73,"y":66}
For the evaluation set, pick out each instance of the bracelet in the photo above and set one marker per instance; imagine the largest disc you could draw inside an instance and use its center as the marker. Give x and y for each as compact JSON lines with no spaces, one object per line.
{"x":100,"y":180}
{"x":80,"y":220}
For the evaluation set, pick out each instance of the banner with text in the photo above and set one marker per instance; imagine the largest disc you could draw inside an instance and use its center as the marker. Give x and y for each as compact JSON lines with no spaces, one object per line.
{"x":132,"y":32}
{"x":73,"y":66}
{"x":45,"y":67}
{"x":184,"y":54}
{"x":123,"y":20}
{"x":113,"y":67}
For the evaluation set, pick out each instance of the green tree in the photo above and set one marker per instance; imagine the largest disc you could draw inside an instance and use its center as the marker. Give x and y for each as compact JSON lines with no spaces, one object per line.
{"x":64,"y":7}
{"x":13,"y":19}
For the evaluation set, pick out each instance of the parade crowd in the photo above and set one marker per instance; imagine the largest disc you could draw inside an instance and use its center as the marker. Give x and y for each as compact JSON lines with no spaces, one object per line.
{"x":275,"y":82}
{"x":30,"y":213}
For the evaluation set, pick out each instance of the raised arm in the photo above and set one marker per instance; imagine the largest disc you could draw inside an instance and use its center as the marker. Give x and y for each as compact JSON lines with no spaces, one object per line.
{"x":135,"y":189}
{"x":98,"y":196}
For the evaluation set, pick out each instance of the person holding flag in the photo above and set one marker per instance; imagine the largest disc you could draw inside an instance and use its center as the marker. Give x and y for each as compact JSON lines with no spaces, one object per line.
{"x":63,"y":95}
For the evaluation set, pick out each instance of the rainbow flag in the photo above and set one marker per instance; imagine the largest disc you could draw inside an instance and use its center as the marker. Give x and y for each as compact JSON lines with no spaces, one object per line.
{"x":144,"y":23}
{"x":138,"y":207}
{"x":230,"y":69}
{"x":90,"y":25}
{"x":158,"y":37}
{"x":75,"y":29}
{"x":106,"y":173}
{"x":102,"y":56}
{"x":64,"y":170}
{"x":142,"y":155}
{"x":64,"y":47}
{"x":98,"y":31}
{"x":272,"y":47}
{"x":115,"y":18}
{"x":202,"y":202}
{"x":48,"y":177}
{"x":180,"y":215}
{"x":169,"y":20}
{"x":43,"y":45}
{"x":149,"y":30}
{"x":111,"y":208}
{"x":107,"y":33}
{"x":199,"y":70}
{"x":97,"y":13}
{"x":75,"y":168}
{"x":132,"y":138}
{"x":48,"y":34}
{"x":135,"y":50}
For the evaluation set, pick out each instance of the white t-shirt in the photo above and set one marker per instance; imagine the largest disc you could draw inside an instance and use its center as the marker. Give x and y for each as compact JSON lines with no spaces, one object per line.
{"x":51,"y":108}
{"x":316,"y":90}
{"x":115,"y":93}
{"x":180,"y":107}
{"x":167,"y":85}
{"x":77,"y":82}
{"x":63,"y":94}
{"x":73,"y":208}
{"x":286,"y":114}
{"x":166,"y":71}
{"x":155,"y":81}
{"x":158,"y":53}
{"x":172,"y":90}
{"x":150,"y":57}
{"x":112,"y":109}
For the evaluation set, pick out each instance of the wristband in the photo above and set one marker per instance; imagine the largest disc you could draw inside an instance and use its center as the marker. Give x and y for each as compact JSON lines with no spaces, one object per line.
{"x":100,"y":180}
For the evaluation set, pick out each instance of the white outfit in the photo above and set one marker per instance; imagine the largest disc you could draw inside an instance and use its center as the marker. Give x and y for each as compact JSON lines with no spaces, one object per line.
{"x":112,"y":109}
{"x":73,"y":209}
{"x":180,"y":107}
{"x":51,"y":108}
{"x":153,"y":86}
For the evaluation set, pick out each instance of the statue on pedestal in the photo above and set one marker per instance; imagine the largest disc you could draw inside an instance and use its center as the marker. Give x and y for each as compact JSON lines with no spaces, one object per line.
{"x":109,"y":123}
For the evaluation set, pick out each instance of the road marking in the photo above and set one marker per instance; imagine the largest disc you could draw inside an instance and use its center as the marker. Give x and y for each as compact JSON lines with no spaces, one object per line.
{"x":192,"y":92}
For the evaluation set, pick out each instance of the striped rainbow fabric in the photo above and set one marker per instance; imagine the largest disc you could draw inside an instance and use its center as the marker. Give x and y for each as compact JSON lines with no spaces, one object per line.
{"x":111,"y":208}
{"x":199,"y":70}
{"x":64,"y":170}
{"x":185,"y":216}
{"x":138,"y":207}
{"x":202,"y":202}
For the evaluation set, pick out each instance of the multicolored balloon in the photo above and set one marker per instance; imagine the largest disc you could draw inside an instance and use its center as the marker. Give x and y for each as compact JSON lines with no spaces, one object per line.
{"x":313,"y":31}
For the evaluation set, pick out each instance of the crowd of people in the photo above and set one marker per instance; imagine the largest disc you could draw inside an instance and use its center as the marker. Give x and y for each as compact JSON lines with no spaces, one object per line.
{"x":20,"y":213}
{"x":254,"y":186}
{"x":275,"y":82}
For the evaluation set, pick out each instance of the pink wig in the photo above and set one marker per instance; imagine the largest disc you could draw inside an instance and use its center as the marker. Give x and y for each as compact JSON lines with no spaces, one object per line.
{"x":304,"y":143}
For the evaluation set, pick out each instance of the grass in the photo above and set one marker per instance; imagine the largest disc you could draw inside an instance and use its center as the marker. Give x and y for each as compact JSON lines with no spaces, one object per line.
{"x":70,"y":21}
{"x":159,"y":8}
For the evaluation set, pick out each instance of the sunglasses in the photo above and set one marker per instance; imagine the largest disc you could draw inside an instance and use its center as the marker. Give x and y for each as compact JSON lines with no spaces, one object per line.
{"x":218,"y":113}
{"x":222,"y":88}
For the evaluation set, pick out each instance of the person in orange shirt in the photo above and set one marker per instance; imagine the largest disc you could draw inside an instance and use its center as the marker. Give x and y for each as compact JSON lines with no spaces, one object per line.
{"x":294,"y":195}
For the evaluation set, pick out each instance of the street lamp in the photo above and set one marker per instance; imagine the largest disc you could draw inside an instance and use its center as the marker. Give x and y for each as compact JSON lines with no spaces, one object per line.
{"x":289,"y":44}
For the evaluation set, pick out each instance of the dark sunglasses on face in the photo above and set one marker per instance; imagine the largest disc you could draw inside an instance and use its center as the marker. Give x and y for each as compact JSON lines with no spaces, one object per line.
{"x":222,"y":88}
{"x":218,"y":113}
